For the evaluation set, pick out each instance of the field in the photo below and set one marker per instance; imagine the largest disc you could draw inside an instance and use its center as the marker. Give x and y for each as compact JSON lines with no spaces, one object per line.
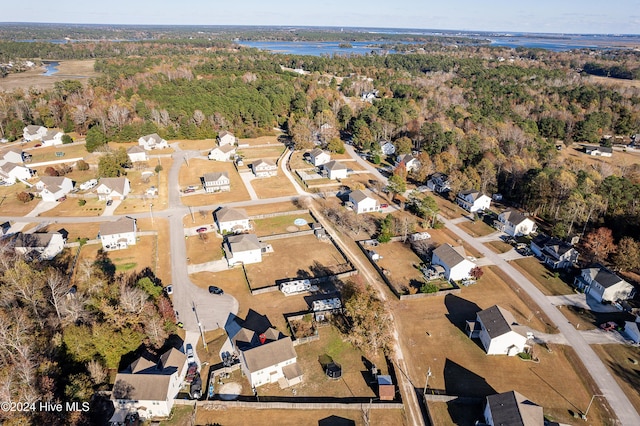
{"x":250,"y":154}
{"x":197,"y":145}
{"x":499,"y":246}
{"x":204,"y":248}
{"x":71,"y":208}
{"x":444,"y":236}
{"x":401,"y":264}
{"x":139,"y":188}
{"x":622,"y":362}
{"x":9,"y":203}
{"x":545,"y":279}
{"x":279,"y":224}
{"x":476,"y":228}
{"x":296,"y":257}
{"x":191,"y":176}
{"x":461,"y":366}
{"x":48,"y":153}
{"x":576,"y":154}
{"x":76,"y":230}
{"x":449,"y":209}
{"x":126,"y":145}
{"x":68,"y":69}
{"x":275,"y":186}
{"x":261,"y":140}
{"x":272,"y":208}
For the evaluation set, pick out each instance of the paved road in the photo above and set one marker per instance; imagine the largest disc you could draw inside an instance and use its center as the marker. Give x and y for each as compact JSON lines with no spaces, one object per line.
{"x":616,"y":398}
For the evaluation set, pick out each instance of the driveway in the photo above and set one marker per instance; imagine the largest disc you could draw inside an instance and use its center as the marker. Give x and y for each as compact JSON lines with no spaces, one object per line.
{"x":582,"y":301}
{"x":110,"y":210}
{"x":213,"y":266}
{"x":247,"y":177}
{"x":41,"y":207}
{"x":511,"y":255}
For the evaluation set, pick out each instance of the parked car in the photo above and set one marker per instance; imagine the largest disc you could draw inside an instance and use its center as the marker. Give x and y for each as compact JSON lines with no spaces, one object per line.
{"x":169,"y":289}
{"x":109,"y":202}
{"x":384,"y":205}
{"x":189,"y":190}
{"x":215,"y":290}
{"x":609,"y":326}
{"x":38,"y":145}
{"x":190,"y":354}
{"x":191,"y":373}
{"x":201,"y":229}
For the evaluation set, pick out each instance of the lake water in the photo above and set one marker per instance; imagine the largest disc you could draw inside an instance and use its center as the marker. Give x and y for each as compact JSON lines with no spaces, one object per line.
{"x":315,"y":48}
{"x":50,"y":68}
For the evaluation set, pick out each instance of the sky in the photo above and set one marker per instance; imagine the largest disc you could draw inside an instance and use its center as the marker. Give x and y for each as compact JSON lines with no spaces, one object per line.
{"x":545,"y":16}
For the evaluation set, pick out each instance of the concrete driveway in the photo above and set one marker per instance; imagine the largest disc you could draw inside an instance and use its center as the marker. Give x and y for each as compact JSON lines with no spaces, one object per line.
{"x":41,"y":207}
{"x":213,"y":266}
{"x":581,"y":300}
{"x":247,"y":177}
{"x":110,"y":210}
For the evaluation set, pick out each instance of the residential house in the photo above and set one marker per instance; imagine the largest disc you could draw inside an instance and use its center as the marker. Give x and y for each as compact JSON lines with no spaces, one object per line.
{"x":119,"y":234}
{"x":411,"y":163}
{"x":52,"y":138}
{"x":226,"y":138}
{"x":52,"y":188}
{"x":216,"y":182}
{"x":439,"y":182}
{"x":41,"y":245}
{"x":137,"y":153}
{"x":513,"y":409}
{"x":319,"y":157}
{"x":473,"y":200}
{"x":14,"y":155}
{"x":362,"y":202}
{"x":12,"y":172}
{"x":335,"y":170}
{"x":32,"y":133}
{"x":264,"y":168}
{"x":603,"y":285}
{"x":601,"y":151}
{"x":515,"y":223}
{"x":149,"y":387}
{"x":230,"y":220}
{"x":266,"y":355}
{"x":498,"y":331}
{"x":632,"y":331}
{"x":453,"y":260}
{"x":223,"y":153}
{"x":152,"y":141}
{"x":4,"y":228}
{"x":555,"y":253}
{"x":387,"y":148}
{"x":113,"y":188}
{"x":242,"y":249}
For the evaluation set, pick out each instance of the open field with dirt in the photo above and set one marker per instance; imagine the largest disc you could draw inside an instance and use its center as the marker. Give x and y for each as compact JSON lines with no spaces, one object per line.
{"x":80,"y":70}
{"x":243,"y":416}
{"x":575,"y":153}
{"x":622,"y":361}
{"x":203,"y":248}
{"x":401,"y":264}
{"x":48,"y":153}
{"x":296,"y":257}
{"x":279,"y":224}
{"x":275,"y":186}
{"x":544,"y":278}
{"x":197,"y":168}
{"x":461,"y":366}
{"x":139,"y":186}
{"x":9,"y":203}
{"x":71,"y":208}
{"x":449,"y":209}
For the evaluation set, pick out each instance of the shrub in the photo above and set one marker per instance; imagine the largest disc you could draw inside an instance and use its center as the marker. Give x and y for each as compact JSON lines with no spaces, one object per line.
{"x":429,"y":288}
{"x":66,"y":139}
{"x":50,"y":171}
{"x":25,"y":197}
{"x":158,"y":168}
{"x":82,"y":165}
{"x":82,"y":202}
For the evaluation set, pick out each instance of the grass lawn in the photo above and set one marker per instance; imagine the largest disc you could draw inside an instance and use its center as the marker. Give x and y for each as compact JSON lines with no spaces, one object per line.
{"x":296,"y":161}
{"x":9,"y":203}
{"x":287,"y":206}
{"x":445,"y":236}
{"x":261,"y":140}
{"x":623,"y":363}
{"x":75,"y":230}
{"x":48,"y":153}
{"x":180,"y":416}
{"x":401,"y":263}
{"x":275,"y":186}
{"x":163,"y":263}
{"x":449,"y":209}
{"x":204,"y":248}
{"x":296,"y":257}
{"x":126,"y":145}
{"x":451,"y":413}
{"x":476,"y":228}
{"x":197,"y":168}
{"x":499,"y":246}
{"x":543,"y":278}
{"x":196,"y":145}
{"x":586,"y":319}
{"x":251,"y":154}
{"x":139,"y":187}
{"x":71,"y":208}
{"x":279,"y":224}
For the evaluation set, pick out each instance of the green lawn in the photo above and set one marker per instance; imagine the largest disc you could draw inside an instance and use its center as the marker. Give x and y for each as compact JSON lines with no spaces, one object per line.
{"x":549,"y":282}
{"x":279,"y":224}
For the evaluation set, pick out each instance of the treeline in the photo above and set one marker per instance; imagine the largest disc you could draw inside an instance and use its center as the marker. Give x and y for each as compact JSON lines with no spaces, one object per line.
{"x":614,"y":71}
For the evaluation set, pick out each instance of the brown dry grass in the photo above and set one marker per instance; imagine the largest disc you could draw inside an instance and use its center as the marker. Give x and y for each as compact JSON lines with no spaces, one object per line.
{"x":126,"y":145}
{"x":609,"y":81}
{"x":261,"y":140}
{"x":619,"y":359}
{"x":198,"y":145}
{"x":244,"y":416}
{"x":48,"y":153}
{"x":296,"y":257}
{"x":275,"y":186}
{"x":499,"y":246}
{"x":251,"y":154}
{"x":576,"y":153}
{"x":477,"y":228}
{"x":279,"y":224}
{"x":9,"y":203}
{"x":272,"y":208}
{"x":67,"y":70}
{"x":204,"y":248}
{"x":445,"y":236}
{"x":461,"y":366}
{"x":75,"y":230}
{"x":71,"y":208}
{"x":400,"y":262}
{"x":542,"y":277}
{"x":191,"y":176}
{"x":139,"y":187}
{"x":200,"y":217}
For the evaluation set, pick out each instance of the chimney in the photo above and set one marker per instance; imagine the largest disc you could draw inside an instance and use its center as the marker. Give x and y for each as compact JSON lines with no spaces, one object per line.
{"x":262,"y":338}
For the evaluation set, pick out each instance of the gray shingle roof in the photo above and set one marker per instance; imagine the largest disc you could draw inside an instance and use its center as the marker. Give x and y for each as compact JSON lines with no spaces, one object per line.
{"x":450,"y":255}
{"x":603,"y":276}
{"x":116,"y":184}
{"x":358,"y":196}
{"x":334,"y":165}
{"x":513,"y":409}
{"x":497,"y":321}
{"x":228,"y":214}
{"x":215,"y":176}
{"x":268,"y":354}
{"x":514,"y":217}
{"x":244,"y":242}
{"x":120,"y":226}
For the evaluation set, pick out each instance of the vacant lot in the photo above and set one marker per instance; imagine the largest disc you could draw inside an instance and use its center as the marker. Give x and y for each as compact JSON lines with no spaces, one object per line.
{"x":623,"y":363}
{"x":71,"y":208}
{"x":139,"y":186}
{"x":275,"y":186}
{"x":197,"y":145}
{"x":449,"y":209}
{"x":280,"y":224}
{"x":126,"y":145}
{"x":499,"y":246}
{"x":190,"y":175}
{"x":48,"y":153}
{"x":546,"y":280}
{"x":296,"y":257}
{"x":476,"y":228}
{"x":273,"y":208}
{"x":460,"y":365}
{"x":452,"y":413}
{"x":9,"y":203}
{"x":261,"y":140}
{"x":204,"y":247}
{"x":251,"y":154}
{"x":67,"y":70}
{"x":401,"y":265}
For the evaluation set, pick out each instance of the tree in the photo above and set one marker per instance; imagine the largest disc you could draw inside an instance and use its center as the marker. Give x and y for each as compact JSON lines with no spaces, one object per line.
{"x":50,"y":171}
{"x":336,"y":145}
{"x":404,"y":145}
{"x":302,"y":134}
{"x":386,"y":229}
{"x":82,"y":165}
{"x":25,"y":197}
{"x":476,"y":273}
{"x":66,"y":139}
{"x":627,"y":257}
{"x":95,"y":139}
{"x":600,"y":243}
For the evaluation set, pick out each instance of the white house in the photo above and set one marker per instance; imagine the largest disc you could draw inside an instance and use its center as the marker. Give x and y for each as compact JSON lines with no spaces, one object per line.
{"x":42,"y":245}
{"x":453,"y":260}
{"x":226,"y":138}
{"x":603,"y":285}
{"x":32,"y":133}
{"x":147,"y":387}
{"x":319,"y":157}
{"x":230,"y":220}
{"x":264,"y":168}
{"x":363,"y":202}
{"x":439,"y":182}
{"x":12,"y":172}
{"x":152,"y":141}
{"x":216,"y":182}
{"x":600,"y":151}
{"x":555,"y":253}
{"x":14,"y":155}
{"x":52,"y":188}
{"x":114,"y":188}
{"x":243,"y":248}
{"x":52,"y":138}
{"x":473,"y":200}
{"x":515,"y":223}
{"x":335,"y":170}
{"x":266,"y":355}
{"x":512,"y":408}
{"x":223,"y":153}
{"x":411,"y":163}
{"x":387,"y":148}
{"x":137,"y":153}
{"x":632,"y":331}
{"x":119,"y":234}
{"x":498,"y":331}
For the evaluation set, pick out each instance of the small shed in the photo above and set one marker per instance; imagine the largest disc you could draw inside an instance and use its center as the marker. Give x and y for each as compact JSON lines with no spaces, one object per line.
{"x":333,"y":370}
{"x":386,"y":388}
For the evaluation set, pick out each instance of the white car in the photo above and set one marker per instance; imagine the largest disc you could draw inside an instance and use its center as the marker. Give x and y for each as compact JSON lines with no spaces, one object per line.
{"x":190,"y":354}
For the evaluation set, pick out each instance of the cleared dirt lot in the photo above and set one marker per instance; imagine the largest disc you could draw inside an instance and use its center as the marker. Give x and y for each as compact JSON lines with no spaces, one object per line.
{"x":461,"y":366}
{"x":190,"y":175}
{"x":476,"y":228}
{"x":67,"y":70}
{"x":204,"y":247}
{"x":48,"y":153}
{"x":251,"y":154}
{"x":296,"y":257}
